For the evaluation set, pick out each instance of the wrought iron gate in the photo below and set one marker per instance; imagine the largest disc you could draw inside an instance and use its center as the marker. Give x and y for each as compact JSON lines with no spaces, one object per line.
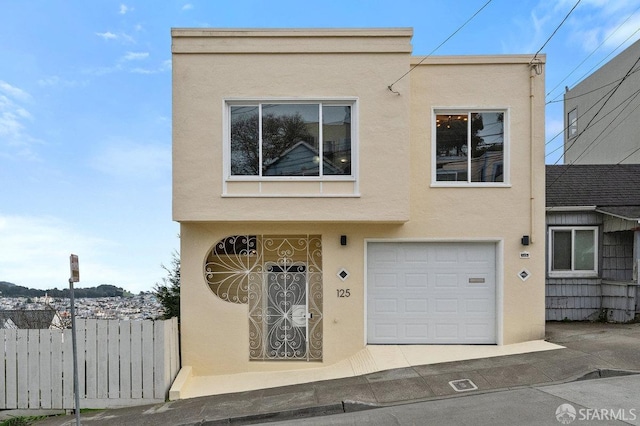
{"x":280,"y":277}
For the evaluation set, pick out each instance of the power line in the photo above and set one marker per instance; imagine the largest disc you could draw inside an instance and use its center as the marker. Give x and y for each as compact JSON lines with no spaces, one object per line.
{"x":605,"y":103}
{"x":390,"y":87}
{"x":590,"y":91}
{"x":627,"y":100}
{"x":602,"y":60}
{"x":594,"y":50}
{"x":556,"y":30}
{"x":595,"y":141}
{"x":596,"y":114}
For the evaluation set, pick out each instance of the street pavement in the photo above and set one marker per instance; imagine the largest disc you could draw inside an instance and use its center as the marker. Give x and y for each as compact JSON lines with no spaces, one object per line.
{"x":596,"y":371}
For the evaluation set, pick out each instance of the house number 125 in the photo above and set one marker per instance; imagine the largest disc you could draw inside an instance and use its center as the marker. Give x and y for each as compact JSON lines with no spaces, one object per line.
{"x":343,"y":292}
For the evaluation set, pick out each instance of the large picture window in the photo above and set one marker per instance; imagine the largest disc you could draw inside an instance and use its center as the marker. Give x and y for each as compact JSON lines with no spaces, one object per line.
{"x":470,"y":146}
{"x":573,"y":251}
{"x":290,"y":139}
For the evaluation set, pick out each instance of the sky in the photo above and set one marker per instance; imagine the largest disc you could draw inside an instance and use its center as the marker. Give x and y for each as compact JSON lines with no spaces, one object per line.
{"x":85,"y":109}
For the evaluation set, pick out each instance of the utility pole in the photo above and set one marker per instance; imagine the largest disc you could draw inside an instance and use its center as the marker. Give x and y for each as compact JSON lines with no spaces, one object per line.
{"x":75,"y":277}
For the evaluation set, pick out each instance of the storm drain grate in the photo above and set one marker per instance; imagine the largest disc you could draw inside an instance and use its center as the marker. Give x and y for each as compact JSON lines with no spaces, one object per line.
{"x":463,"y":385}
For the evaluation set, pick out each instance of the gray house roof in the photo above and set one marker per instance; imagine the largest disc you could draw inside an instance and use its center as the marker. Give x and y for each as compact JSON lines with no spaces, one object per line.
{"x":611,"y":188}
{"x":31,"y":319}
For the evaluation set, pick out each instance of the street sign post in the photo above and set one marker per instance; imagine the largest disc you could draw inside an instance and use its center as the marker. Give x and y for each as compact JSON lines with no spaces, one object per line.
{"x":74,"y":278}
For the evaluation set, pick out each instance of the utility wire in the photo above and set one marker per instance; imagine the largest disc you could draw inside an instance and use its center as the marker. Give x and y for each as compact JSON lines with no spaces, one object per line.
{"x":597,"y":139}
{"x":596,"y":49}
{"x":556,"y":30}
{"x":596,"y":114}
{"x":593,"y":105}
{"x":602,"y":60}
{"x":390,"y":87}
{"x":605,"y":103}
{"x":590,"y":91}
{"x":627,"y":101}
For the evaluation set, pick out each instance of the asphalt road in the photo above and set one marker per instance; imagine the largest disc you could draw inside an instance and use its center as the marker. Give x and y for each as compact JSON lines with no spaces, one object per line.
{"x":610,"y":401}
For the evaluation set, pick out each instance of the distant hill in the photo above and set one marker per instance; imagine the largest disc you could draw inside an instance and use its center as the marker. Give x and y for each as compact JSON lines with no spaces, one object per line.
{"x":8,"y":289}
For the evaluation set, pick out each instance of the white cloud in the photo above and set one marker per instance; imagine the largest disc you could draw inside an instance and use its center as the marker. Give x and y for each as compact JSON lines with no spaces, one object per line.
{"x":187,"y":6}
{"x":128,"y":160}
{"x":107,"y":35}
{"x":164,"y":66}
{"x":55,"y":81}
{"x":124,"y":9}
{"x":15,"y":141}
{"x":14,"y":92}
{"x":135,"y":56}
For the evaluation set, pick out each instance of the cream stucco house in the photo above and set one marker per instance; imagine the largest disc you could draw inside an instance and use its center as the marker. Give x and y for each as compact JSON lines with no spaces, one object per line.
{"x":336,"y":193}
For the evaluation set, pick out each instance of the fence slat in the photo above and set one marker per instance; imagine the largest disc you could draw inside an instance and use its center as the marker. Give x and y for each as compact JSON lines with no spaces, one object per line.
{"x":33,"y":367}
{"x":136,"y":360}
{"x":23,"y":369}
{"x":102,"y":347}
{"x":80,"y":346}
{"x":125,"y":359}
{"x":45,"y":368}
{"x":11,"y":386}
{"x":67,"y":370}
{"x":147,"y":359}
{"x":114,"y":359}
{"x":91,"y":354}
{"x":159,"y":359}
{"x":3,"y":394}
{"x":56,"y":369}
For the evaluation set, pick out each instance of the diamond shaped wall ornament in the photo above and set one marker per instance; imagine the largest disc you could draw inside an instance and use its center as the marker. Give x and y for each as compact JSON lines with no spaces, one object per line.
{"x":524,"y":274}
{"x":343,"y":274}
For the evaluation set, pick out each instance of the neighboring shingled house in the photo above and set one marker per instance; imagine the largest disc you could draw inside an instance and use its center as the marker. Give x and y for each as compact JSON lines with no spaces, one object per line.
{"x":36,"y":319}
{"x":593,"y":242}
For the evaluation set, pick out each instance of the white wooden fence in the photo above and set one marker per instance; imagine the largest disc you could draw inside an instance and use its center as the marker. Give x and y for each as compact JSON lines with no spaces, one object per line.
{"x":120,"y":363}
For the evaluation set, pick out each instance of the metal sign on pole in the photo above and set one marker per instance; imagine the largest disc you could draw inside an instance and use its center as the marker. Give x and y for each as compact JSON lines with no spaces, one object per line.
{"x":75,"y":277}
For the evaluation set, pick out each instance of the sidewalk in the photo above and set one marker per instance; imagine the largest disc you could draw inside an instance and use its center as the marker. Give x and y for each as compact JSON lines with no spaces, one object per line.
{"x":591,"y":350}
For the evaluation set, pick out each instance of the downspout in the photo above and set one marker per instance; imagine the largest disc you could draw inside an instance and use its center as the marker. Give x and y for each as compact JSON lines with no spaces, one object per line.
{"x":535,"y":68}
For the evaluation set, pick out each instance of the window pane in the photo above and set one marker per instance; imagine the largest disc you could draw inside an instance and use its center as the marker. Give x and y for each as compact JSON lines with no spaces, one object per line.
{"x":336,"y":140}
{"x":561,"y":251}
{"x":290,"y":135}
{"x":584,"y":251}
{"x":487,"y":147}
{"x":451,"y":147}
{"x":244,"y":140}
{"x":572,"y":123}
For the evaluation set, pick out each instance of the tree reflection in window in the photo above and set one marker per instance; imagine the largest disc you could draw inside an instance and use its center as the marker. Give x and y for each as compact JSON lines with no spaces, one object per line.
{"x":470,"y":147}
{"x":287,"y":140}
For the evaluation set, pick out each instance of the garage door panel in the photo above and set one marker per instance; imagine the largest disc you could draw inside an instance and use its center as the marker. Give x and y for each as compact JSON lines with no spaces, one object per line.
{"x":416,"y":280}
{"x":440,"y":293}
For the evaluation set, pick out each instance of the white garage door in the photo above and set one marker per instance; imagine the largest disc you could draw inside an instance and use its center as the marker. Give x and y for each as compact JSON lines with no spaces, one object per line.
{"x":431,"y":293}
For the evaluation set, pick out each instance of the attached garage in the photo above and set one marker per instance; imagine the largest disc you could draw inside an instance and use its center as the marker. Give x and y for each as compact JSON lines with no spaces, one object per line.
{"x":431,"y":293}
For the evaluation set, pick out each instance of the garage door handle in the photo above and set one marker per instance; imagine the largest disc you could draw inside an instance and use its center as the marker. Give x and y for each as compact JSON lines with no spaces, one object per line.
{"x":476,"y":280}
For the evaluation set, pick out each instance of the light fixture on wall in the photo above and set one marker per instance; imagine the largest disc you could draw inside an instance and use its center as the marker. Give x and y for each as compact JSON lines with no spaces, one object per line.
{"x":525,"y":240}
{"x":343,"y":240}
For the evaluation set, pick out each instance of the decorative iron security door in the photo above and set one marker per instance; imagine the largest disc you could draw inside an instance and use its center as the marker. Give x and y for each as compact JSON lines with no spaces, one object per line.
{"x":285,"y":307}
{"x":280,"y":278}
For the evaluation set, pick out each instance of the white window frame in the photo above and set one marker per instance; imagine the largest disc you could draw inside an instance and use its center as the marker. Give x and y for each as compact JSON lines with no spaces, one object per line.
{"x":572,"y":123}
{"x":333,"y":101}
{"x":506,"y":147}
{"x":573,"y":272}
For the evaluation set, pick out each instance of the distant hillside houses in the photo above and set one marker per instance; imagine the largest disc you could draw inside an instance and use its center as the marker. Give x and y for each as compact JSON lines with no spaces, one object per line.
{"x":51,"y":312}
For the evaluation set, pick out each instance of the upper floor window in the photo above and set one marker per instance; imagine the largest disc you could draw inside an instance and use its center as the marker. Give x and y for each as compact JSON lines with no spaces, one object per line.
{"x":573,"y":250}
{"x":301,"y":139}
{"x":470,"y":146}
{"x":572,"y":124}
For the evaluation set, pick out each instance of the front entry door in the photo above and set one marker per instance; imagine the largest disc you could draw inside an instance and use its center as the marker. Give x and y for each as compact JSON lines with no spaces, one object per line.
{"x":285,"y":298}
